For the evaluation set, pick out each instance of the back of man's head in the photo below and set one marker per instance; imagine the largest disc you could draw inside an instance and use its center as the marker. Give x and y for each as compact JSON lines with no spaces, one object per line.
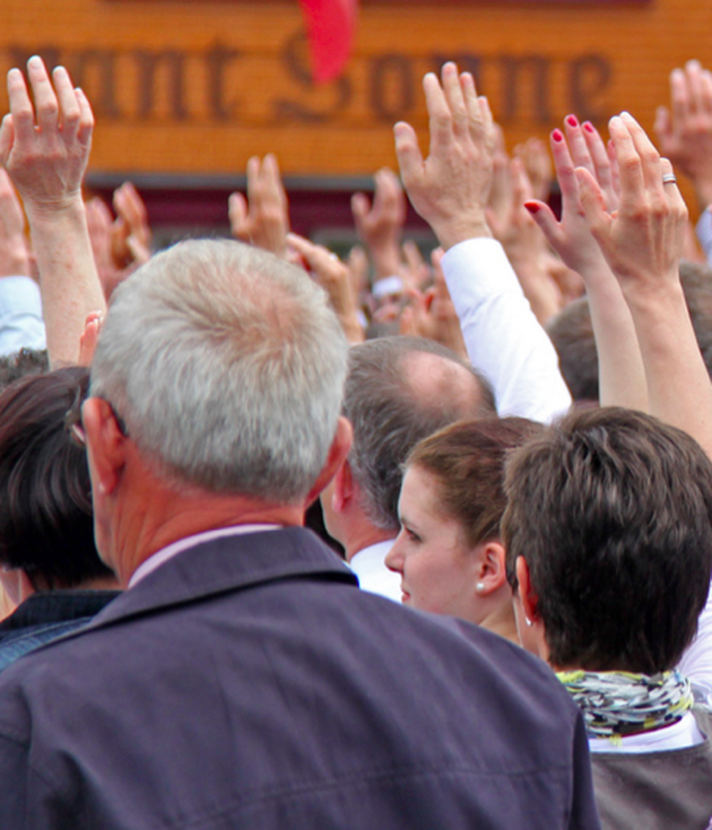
{"x":227,"y":366}
{"x":400,"y":390}
{"x":612,"y":511}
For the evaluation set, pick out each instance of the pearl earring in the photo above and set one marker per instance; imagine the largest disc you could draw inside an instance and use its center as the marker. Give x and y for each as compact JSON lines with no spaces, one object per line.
{"x":480,"y":587}
{"x":528,"y":622}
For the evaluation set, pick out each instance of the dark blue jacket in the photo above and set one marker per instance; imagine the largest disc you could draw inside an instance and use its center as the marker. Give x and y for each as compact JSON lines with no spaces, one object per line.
{"x":45,"y":616}
{"x":249,"y":683}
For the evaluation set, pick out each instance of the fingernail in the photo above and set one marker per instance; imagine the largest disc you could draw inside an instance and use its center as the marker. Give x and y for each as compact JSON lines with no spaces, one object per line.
{"x":572,"y":121}
{"x":557,"y":135}
{"x":588,"y":126}
{"x":531,"y":207}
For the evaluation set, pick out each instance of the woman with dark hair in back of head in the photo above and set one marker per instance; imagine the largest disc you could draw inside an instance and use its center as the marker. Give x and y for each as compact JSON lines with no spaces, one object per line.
{"x":49,"y":565}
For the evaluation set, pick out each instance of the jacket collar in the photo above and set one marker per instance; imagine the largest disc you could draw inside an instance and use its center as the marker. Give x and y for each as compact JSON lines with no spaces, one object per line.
{"x":226,"y":565}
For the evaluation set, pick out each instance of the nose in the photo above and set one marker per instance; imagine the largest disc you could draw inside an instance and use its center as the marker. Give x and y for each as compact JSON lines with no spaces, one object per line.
{"x":394,"y":557}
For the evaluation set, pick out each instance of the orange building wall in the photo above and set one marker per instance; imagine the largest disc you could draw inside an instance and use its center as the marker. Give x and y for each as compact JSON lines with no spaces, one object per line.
{"x":198,"y":87}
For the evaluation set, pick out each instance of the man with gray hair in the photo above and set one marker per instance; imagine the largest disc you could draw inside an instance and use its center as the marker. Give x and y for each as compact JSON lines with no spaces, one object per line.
{"x":242,"y":680}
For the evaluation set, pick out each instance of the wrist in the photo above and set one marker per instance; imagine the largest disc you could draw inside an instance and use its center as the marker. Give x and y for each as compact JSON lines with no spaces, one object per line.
{"x":69,"y":208}
{"x":386,"y":260}
{"x":451,"y":233}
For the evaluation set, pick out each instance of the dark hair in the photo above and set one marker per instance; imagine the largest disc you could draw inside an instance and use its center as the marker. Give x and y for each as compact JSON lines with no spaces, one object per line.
{"x":390,"y":412}
{"x":612,"y":511}
{"x":467,"y":458}
{"x":571,"y":332}
{"x":22,"y":364}
{"x":46,"y":525}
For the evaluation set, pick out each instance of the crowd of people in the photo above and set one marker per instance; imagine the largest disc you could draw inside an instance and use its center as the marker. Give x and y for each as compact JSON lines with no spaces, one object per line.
{"x":291,"y":541}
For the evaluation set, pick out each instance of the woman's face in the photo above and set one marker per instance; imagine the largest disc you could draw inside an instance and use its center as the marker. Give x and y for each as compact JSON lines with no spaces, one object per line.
{"x":438,"y":569}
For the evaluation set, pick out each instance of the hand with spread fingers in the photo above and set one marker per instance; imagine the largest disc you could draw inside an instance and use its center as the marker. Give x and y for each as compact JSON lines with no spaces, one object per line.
{"x":685,"y":130}
{"x":642,"y":242}
{"x":380,"y":224}
{"x":45,"y":148}
{"x":130,"y":232}
{"x":450,"y":187}
{"x":262,"y":218}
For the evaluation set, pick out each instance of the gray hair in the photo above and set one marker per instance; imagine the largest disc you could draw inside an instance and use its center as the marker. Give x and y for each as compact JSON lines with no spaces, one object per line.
{"x":227,"y":366}
{"x":390,"y":413}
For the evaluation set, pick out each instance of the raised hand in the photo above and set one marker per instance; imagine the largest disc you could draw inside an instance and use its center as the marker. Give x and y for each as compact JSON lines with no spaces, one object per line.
{"x":685,"y":130}
{"x":450,"y":188}
{"x":621,"y":374}
{"x":45,"y":148}
{"x":380,"y":224}
{"x":642,"y":241}
{"x":263,"y":217}
{"x":335,"y":279}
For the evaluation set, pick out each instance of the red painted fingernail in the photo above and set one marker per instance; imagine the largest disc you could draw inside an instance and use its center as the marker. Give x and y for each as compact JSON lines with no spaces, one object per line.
{"x":572,"y":121}
{"x":557,"y":135}
{"x":531,"y":207}
{"x":588,"y":126}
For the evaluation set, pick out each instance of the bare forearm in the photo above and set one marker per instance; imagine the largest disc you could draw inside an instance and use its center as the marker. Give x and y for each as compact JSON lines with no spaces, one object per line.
{"x":68,"y":277}
{"x":679,"y":387}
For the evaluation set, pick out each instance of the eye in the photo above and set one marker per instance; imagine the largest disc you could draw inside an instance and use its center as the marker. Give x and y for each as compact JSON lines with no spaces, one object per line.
{"x":411,"y":535}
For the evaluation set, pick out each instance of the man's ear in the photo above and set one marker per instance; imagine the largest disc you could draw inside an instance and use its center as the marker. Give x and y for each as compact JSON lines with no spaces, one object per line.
{"x":491,"y":572}
{"x":338,"y":451}
{"x":106,"y":445}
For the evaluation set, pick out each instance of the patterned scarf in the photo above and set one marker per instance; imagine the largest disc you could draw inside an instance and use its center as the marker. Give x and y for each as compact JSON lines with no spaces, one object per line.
{"x":619,"y":703}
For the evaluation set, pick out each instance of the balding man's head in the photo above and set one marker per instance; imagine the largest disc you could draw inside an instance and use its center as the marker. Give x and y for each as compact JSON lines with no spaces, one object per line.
{"x":399,"y":390}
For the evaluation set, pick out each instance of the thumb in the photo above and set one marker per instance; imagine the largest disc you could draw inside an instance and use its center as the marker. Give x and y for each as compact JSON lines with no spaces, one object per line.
{"x":544,"y":218}
{"x":410,"y":159}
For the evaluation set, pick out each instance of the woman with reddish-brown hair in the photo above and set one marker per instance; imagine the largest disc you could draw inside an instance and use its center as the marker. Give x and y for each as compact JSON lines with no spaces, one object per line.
{"x":449,"y":552}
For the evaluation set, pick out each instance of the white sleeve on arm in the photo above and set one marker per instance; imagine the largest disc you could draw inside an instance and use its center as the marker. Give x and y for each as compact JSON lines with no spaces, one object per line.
{"x":696,"y":662}
{"x":21,"y":323}
{"x":504,"y":340}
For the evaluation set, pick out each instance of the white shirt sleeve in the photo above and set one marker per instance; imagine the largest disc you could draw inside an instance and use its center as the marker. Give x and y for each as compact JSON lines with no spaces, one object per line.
{"x":21,"y":323}
{"x":696,"y":662}
{"x":504,"y":340}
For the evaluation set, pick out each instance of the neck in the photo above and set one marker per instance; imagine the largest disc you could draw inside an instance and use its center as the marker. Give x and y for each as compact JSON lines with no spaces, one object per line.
{"x":155,"y":514}
{"x":363,"y":537}
{"x":500,"y":620}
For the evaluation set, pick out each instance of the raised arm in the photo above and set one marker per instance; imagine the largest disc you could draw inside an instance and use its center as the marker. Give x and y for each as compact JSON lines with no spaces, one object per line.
{"x":685,"y":137}
{"x":449,"y":189}
{"x":45,"y":149}
{"x":642,"y":242}
{"x":620,"y":366}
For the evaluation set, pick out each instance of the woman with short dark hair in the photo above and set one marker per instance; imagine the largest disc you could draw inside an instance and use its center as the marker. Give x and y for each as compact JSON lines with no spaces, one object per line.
{"x":48,"y":561}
